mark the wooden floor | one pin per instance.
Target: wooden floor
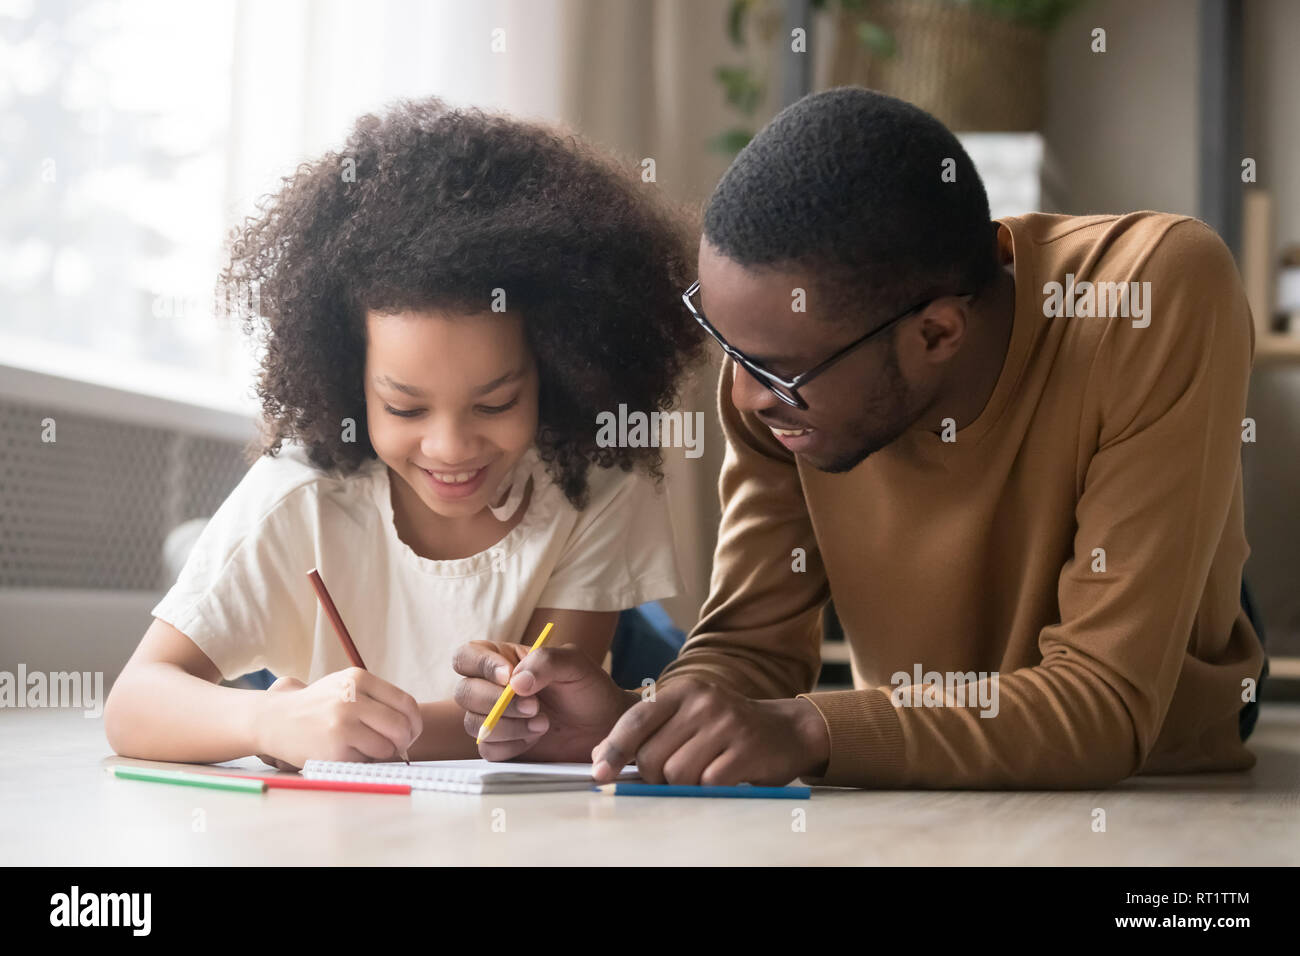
(58, 806)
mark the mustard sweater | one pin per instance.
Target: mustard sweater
(1075, 551)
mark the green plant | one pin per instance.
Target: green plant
(745, 86)
(1043, 15)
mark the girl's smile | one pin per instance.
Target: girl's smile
(457, 484)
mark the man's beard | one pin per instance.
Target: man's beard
(889, 407)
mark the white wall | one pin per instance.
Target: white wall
(1122, 124)
(1272, 116)
(1122, 127)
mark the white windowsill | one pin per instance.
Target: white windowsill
(46, 374)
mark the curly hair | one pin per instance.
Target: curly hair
(429, 207)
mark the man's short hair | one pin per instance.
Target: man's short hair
(850, 185)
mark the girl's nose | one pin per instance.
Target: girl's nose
(448, 443)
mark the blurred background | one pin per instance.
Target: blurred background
(135, 133)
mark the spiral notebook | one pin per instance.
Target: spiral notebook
(463, 776)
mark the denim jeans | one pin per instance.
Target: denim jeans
(1250, 713)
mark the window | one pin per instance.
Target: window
(135, 133)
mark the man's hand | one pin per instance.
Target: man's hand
(564, 702)
(696, 733)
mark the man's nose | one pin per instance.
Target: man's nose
(748, 394)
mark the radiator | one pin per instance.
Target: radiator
(84, 518)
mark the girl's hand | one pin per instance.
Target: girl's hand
(348, 715)
(281, 683)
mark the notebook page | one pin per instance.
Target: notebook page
(470, 772)
(481, 767)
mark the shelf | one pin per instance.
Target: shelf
(835, 652)
(1276, 347)
(1285, 667)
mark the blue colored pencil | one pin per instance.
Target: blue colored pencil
(673, 790)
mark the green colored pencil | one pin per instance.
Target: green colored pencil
(188, 779)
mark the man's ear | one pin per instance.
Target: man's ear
(942, 329)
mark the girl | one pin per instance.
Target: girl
(446, 305)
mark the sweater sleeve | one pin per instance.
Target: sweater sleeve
(1155, 497)
(759, 631)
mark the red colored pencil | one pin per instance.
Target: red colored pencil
(301, 783)
(327, 602)
(332, 612)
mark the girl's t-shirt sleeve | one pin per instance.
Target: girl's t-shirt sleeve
(242, 596)
(620, 552)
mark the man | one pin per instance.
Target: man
(1010, 451)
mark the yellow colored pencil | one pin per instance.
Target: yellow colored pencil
(508, 694)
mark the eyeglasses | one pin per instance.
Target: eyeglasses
(787, 389)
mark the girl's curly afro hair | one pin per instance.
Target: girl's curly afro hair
(428, 207)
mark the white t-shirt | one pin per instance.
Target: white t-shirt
(244, 597)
